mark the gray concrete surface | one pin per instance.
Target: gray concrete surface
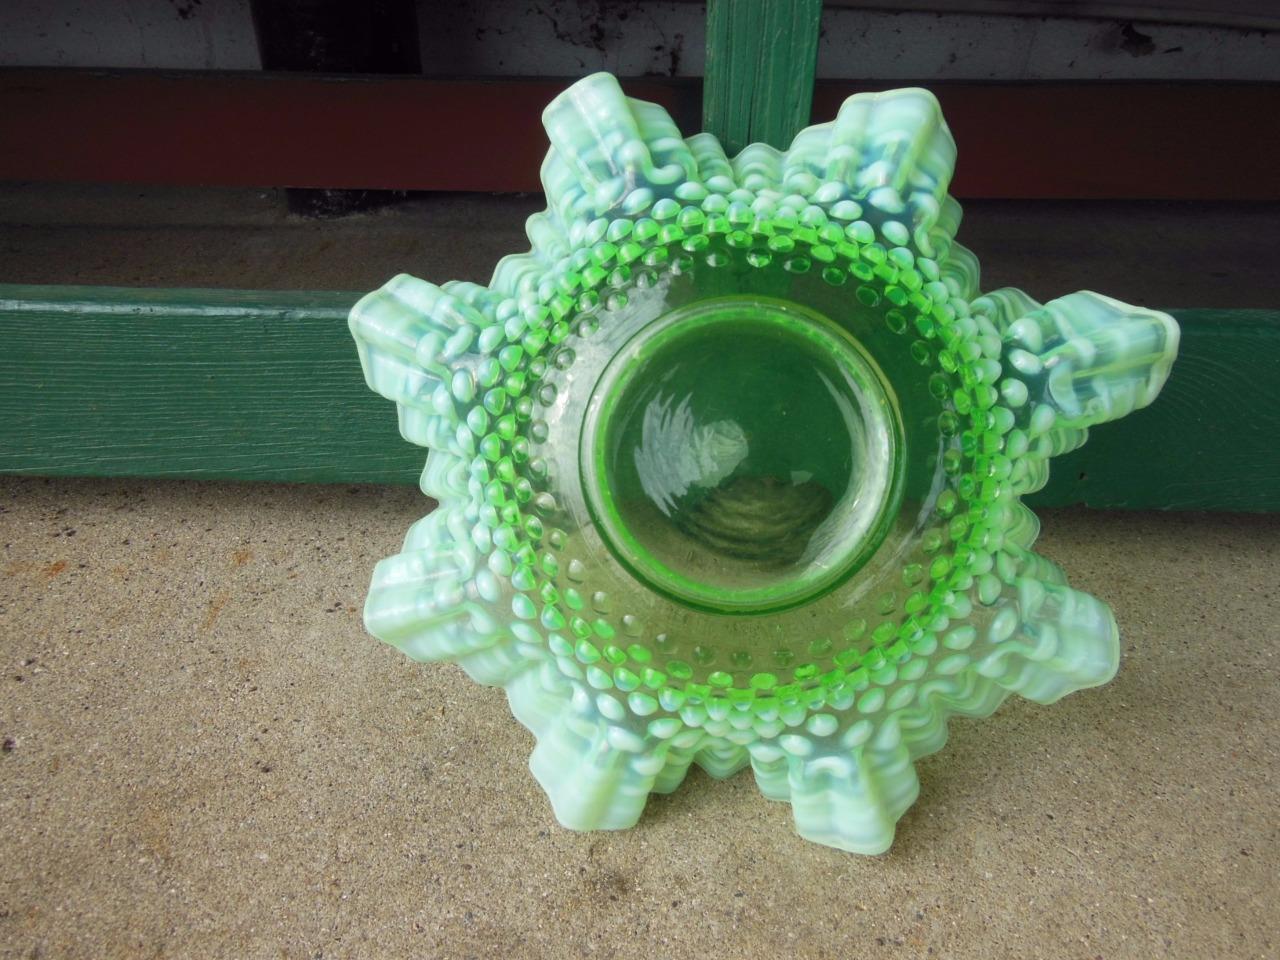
(203, 755)
(1162, 254)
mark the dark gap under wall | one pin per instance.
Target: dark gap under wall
(333, 36)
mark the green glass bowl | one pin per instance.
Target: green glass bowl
(729, 464)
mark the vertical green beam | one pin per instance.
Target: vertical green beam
(761, 59)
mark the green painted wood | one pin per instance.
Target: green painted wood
(250, 385)
(1211, 441)
(761, 62)
(254, 385)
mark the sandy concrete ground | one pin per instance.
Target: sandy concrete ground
(205, 756)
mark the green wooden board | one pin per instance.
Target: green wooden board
(251, 385)
(1211, 440)
(254, 385)
(761, 60)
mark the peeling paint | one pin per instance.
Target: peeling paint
(560, 38)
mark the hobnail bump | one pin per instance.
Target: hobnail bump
(729, 464)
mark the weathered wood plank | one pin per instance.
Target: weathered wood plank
(291, 130)
(253, 385)
(249, 385)
(761, 62)
(1211, 441)
(1241, 14)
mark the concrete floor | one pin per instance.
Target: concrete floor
(204, 755)
(1161, 254)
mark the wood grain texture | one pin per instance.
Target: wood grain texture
(761, 62)
(254, 385)
(248, 385)
(1211, 441)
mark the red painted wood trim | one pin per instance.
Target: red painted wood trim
(1100, 140)
(282, 129)
(1044, 140)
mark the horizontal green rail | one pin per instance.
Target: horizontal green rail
(263, 385)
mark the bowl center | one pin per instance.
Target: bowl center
(739, 455)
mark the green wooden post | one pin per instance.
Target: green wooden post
(761, 62)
